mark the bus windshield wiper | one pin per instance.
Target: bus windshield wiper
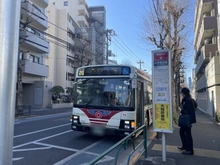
(89, 102)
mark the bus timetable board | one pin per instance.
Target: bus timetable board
(162, 99)
(104, 70)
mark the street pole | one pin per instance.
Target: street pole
(109, 33)
(140, 62)
(9, 38)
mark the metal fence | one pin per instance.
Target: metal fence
(124, 143)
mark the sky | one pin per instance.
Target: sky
(125, 18)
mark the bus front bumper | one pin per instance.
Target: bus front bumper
(101, 130)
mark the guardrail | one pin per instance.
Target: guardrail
(124, 142)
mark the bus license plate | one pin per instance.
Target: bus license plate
(98, 131)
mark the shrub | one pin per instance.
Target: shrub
(57, 90)
(217, 115)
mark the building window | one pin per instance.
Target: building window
(34, 59)
(65, 3)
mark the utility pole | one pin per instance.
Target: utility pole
(140, 63)
(109, 33)
(9, 39)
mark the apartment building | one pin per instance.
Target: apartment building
(97, 21)
(74, 42)
(206, 58)
(34, 50)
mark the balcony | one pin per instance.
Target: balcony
(83, 10)
(34, 15)
(82, 1)
(33, 42)
(42, 3)
(209, 24)
(201, 83)
(202, 6)
(30, 67)
(206, 52)
(82, 21)
(69, 69)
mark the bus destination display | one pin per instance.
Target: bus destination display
(104, 70)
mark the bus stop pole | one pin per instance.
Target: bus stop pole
(9, 38)
(163, 147)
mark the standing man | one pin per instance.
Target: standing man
(185, 132)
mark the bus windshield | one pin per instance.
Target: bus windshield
(104, 92)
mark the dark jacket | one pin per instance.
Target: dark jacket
(188, 108)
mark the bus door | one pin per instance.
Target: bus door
(140, 104)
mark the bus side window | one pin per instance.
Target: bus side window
(128, 99)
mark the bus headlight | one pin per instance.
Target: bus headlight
(75, 119)
(129, 124)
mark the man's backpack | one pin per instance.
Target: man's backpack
(195, 104)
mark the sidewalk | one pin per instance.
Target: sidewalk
(206, 139)
(43, 112)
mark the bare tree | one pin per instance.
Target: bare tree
(24, 22)
(165, 27)
(82, 50)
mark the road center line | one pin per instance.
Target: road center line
(41, 130)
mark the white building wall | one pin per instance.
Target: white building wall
(58, 50)
(213, 83)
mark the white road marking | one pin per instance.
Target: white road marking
(15, 159)
(45, 138)
(83, 151)
(31, 149)
(54, 146)
(42, 130)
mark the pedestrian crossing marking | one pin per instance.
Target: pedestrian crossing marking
(197, 151)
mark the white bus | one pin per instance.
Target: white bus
(111, 99)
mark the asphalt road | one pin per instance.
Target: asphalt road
(48, 140)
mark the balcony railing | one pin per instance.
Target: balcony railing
(35, 68)
(41, 3)
(83, 10)
(206, 52)
(208, 24)
(33, 42)
(69, 69)
(201, 83)
(34, 15)
(201, 5)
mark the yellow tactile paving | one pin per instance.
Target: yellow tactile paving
(197, 151)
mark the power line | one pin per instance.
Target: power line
(127, 47)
